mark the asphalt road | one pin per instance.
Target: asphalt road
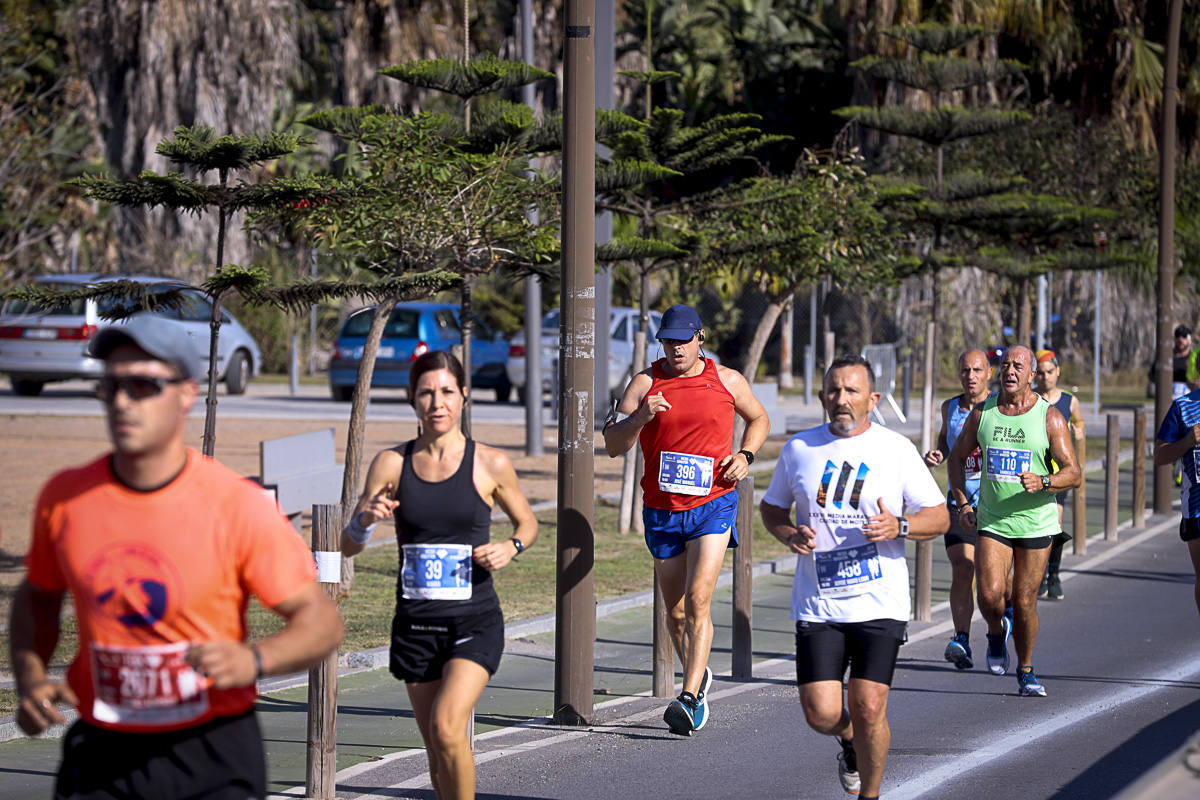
(1120, 658)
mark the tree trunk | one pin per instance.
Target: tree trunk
(630, 472)
(358, 422)
(762, 332)
(785, 378)
(209, 444)
(464, 324)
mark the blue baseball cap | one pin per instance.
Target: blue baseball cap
(679, 322)
(161, 338)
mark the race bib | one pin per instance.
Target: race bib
(1005, 465)
(973, 466)
(683, 473)
(436, 572)
(147, 685)
(848, 571)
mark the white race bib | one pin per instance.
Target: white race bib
(436, 572)
(848, 571)
(147, 685)
(683, 473)
(1005, 464)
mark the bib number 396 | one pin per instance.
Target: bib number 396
(684, 473)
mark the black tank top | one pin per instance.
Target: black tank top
(452, 512)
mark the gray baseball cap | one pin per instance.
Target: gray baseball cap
(159, 337)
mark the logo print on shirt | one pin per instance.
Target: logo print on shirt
(843, 479)
(130, 586)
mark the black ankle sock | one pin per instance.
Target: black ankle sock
(965, 634)
(691, 698)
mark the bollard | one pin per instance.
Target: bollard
(1079, 502)
(1112, 466)
(1139, 468)
(664, 652)
(321, 760)
(924, 581)
(743, 583)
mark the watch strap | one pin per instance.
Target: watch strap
(749, 456)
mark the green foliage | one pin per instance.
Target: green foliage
(199, 147)
(627, 248)
(481, 75)
(650, 77)
(935, 126)
(938, 74)
(548, 135)
(150, 189)
(937, 37)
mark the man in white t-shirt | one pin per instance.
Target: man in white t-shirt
(859, 490)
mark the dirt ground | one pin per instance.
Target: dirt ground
(34, 448)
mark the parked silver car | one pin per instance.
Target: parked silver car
(40, 345)
(621, 328)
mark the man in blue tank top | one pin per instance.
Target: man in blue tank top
(1178, 439)
(973, 374)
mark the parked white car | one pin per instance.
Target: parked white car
(622, 325)
(39, 345)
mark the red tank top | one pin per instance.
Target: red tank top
(698, 424)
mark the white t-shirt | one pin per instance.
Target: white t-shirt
(836, 483)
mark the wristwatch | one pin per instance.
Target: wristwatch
(903, 534)
(517, 543)
(1046, 483)
(749, 456)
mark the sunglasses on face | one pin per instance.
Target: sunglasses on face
(677, 342)
(136, 387)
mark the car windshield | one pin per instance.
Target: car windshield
(75, 308)
(401, 324)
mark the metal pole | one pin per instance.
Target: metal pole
(321, 753)
(1042, 316)
(785, 344)
(575, 612)
(907, 380)
(743, 582)
(810, 355)
(312, 320)
(1079, 507)
(1166, 246)
(1139, 468)
(927, 398)
(605, 70)
(1096, 354)
(294, 363)
(1112, 467)
(534, 424)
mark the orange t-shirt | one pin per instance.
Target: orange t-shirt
(152, 572)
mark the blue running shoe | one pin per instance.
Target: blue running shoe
(701, 718)
(680, 715)
(1029, 685)
(997, 649)
(958, 652)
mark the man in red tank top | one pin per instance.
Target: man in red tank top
(681, 410)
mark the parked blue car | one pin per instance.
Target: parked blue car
(412, 330)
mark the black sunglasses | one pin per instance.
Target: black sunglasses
(678, 342)
(136, 387)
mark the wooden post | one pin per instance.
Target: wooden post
(1079, 508)
(664, 651)
(321, 761)
(1139, 468)
(924, 581)
(743, 582)
(1112, 466)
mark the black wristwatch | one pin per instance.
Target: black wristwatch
(1046, 483)
(903, 534)
(517, 543)
(749, 456)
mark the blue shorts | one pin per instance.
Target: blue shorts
(667, 532)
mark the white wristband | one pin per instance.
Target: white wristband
(357, 533)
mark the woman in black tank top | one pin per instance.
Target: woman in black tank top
(448, 631)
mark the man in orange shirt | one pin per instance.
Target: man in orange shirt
(160, 549)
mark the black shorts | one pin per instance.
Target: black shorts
(1033, 543)
(957, 534)
(825, 649)
(421, 648)
(222, 758)
(1189, 529)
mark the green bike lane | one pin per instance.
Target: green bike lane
(375, 718)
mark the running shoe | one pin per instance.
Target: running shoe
(1043, 588)
(848, 768)
(681, 714)
(958, 652)
(1054, 587)
(1029, 685)
(701, 718)
(997, 650)
(1008, 615)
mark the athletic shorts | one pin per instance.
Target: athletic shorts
(667, 532)
(1061, 497)
(957, 534)
(825, 649)
(421, 648)
(1189, 529)
(1030, 543)
(221, 759)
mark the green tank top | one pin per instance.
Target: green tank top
(1010, 446)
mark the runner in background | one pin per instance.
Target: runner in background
(1046, 384)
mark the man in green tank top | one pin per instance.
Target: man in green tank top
(1018, 434)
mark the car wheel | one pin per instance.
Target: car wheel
(503, 390)
(27, 388)
(342, 394)
(237, 375)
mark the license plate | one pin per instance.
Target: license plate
(41, 333)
